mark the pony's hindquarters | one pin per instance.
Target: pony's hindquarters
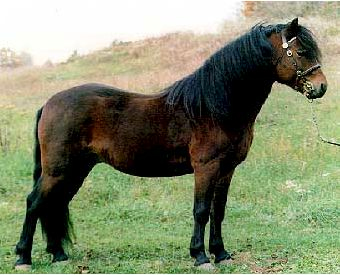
(66, 161)
(61, 164)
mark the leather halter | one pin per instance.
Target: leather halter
(300, 74)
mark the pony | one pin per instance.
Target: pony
(201, 124)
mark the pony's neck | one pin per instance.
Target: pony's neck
(247, 100)
(232, 84)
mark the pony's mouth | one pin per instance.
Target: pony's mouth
(307, 89)
(312, 92)
(309, 94)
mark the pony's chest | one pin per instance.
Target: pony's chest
(225, 146)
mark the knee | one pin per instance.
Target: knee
(217, 216)
(217, 213)
(201, 214)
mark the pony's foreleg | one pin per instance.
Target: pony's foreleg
(24, 247)
(218, 205)
(205, 179)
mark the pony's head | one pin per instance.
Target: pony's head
(297, 60)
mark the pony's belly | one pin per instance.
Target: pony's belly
(155, 163)
(169, 170)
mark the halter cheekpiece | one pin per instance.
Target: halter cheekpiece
(299, 73)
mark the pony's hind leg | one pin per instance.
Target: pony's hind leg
(24, 247)
(54, 217)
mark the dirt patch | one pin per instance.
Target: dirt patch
(273, 264)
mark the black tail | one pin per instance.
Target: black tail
(55, 222)
(37, 153)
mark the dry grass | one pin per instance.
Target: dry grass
(145, 66)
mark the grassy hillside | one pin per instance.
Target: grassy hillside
(283, 210)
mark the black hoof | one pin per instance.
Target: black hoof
(59, 257)
(23, 261)
(223, 255)
(201, 258)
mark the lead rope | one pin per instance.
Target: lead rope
(317, 126)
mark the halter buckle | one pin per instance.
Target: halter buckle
(285, 45)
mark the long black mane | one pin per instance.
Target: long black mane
(235, 68)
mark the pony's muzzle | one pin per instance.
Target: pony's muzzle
(317, 91)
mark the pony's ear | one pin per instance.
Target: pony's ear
(292, 28)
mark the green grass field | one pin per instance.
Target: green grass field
(283, 212)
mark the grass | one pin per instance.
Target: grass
(283, 208)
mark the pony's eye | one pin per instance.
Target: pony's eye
(301, 53)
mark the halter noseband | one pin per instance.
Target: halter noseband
(300, 74)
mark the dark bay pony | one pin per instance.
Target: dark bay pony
(202, 124)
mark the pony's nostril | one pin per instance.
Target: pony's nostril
(323, 87)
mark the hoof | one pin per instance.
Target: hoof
(23, 267)
(226, 262)
(59, 257)
(207, 267)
